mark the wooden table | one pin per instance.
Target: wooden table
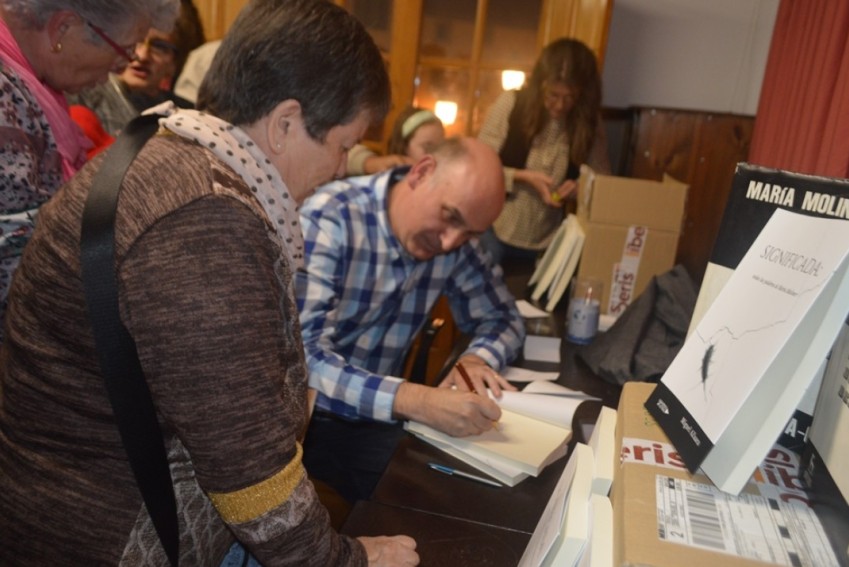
(459, 522)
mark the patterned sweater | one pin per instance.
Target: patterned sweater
(214, 318)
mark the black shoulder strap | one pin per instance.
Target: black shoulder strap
(122, 374)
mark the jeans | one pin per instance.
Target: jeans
(238, 556)
(350, 456)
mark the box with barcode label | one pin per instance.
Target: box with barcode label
(632, 228)
(666, 517)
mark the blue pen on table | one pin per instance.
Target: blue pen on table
(455, 472)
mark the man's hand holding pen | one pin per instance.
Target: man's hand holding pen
(466, 410)
(481, 375)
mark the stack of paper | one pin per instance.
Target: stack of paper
(564, 527)
(604, 446)
(558, 263)
(533, 432)
(599, 549)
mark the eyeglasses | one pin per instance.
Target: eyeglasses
(157, 46)
(128, 53)
(565, 96)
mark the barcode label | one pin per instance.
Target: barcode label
(748, 525)
(704, 517)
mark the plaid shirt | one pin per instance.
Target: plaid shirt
(363, 298)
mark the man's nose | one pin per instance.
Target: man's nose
(452, 238)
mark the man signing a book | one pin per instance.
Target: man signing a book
(380, 250)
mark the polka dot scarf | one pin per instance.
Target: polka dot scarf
(234, 147)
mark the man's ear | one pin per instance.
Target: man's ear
(282, 121)
(421, 170)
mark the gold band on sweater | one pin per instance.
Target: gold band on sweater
(252, 502)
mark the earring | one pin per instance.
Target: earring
(56, 48)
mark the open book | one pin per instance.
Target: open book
(743, 370)
(533, 432)
(558, 263)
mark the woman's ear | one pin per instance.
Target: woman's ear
(282, 122)
(58, 25)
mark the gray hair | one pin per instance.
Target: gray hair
(311, 51)
(111, 15)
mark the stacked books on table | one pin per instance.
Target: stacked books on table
(534, 431)
(576, 527)
(558, 263)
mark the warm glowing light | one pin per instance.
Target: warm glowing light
(446, 111)
(511, 80)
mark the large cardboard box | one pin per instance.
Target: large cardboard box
(632, 228)
(666, 517)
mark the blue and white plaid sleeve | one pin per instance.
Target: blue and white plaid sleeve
(343, 389)
(485, 309)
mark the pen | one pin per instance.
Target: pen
(466, 378)
(471, 386)
(455, 472)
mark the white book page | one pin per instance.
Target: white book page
(515, 374)
(558, 410)
(543, 349)
(530, 311)
(552, 389)
(523, 442)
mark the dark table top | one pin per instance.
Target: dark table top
(441, 540)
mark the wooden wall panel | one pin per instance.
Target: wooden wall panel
(701, 149)
(586, 20)
(217, 15)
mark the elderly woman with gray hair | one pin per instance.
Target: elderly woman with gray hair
(48, 47)
(207, 240)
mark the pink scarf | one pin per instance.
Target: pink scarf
(71, 141)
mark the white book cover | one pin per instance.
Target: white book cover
(599, 551)
(755, 193)
(741, 373)
(562, 531)
(575, 241)
(603, 443)
(542, 349)
(558, 262)
(830, 428)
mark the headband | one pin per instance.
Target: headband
(412, 123)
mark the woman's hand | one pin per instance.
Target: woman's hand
(390, 551)
(566, 190)
(541, 183)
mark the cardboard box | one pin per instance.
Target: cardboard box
(649, 528)
(632, 228)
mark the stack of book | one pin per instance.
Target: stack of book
(534, 431)
(576, 527)
(558, 263)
